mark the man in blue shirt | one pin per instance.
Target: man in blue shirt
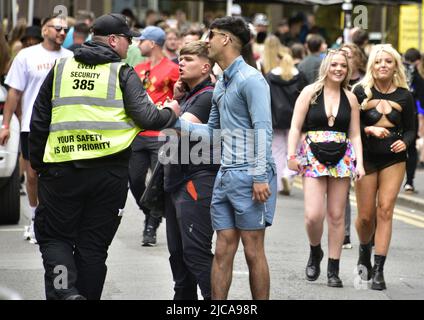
(244, 195)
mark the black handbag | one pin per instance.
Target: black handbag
(153, 197)
(381, 146)
(327, 153)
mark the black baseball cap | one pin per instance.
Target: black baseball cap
(113, 23)
(32, 32)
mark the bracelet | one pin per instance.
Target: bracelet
(292, 157)
(5, 126)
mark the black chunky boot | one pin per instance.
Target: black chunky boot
(364, 261)
(312, 268)
(378, 282)
(333, 274)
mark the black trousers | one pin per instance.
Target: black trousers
(189, 234)
(75, 222)
(412, 157)
(411, 163)
(144, 156)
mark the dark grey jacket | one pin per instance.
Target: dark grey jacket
(310, 67)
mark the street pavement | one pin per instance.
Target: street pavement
(140, 273)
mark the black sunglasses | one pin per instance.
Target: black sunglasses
(213, 33)
(146, 80)
(60, 28)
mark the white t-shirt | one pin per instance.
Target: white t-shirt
(27, 73)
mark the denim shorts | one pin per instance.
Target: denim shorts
(232, 205)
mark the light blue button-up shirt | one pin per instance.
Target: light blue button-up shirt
(241, 110)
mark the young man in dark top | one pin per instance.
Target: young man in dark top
(415, 81)
(189, 186)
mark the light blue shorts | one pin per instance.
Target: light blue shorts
(232, 205)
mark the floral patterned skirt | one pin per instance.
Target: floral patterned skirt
(312, 168)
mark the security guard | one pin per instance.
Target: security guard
(88, 111)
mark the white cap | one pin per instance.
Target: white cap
(260, 20)
(235, 10)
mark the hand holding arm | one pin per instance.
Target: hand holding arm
(174, 105)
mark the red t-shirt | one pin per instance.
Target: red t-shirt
(160, 82)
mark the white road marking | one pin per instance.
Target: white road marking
(12, 230)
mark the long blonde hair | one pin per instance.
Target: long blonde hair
(318, 85)
(286, 64)
(272, 46)
(399, 77)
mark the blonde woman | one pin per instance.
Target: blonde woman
(387, 123)
(269, 59)
(285, 83)
(329, 114)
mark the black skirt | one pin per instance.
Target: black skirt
(374, 162)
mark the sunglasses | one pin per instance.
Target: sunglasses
(146, 80)
(59, 28)
(212, 33)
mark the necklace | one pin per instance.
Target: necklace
(384, 93)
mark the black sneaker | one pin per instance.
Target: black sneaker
(149, 237)
(22, 190)
(346, 243)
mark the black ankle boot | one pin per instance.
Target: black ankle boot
(312, 268)
(333, 274)
(364, 261)
(378, 282)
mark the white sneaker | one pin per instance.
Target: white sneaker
(408, 188)
(32, 234)
(347, 246)
(27, 235)
(346, 243)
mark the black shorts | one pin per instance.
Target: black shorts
(25, 145)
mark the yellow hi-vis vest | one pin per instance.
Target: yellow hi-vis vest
(88, 115)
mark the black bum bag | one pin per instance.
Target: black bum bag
(328, 153)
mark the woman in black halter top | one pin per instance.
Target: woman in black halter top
(329, 114)
(387, 123)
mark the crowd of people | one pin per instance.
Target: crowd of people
(97, 112)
